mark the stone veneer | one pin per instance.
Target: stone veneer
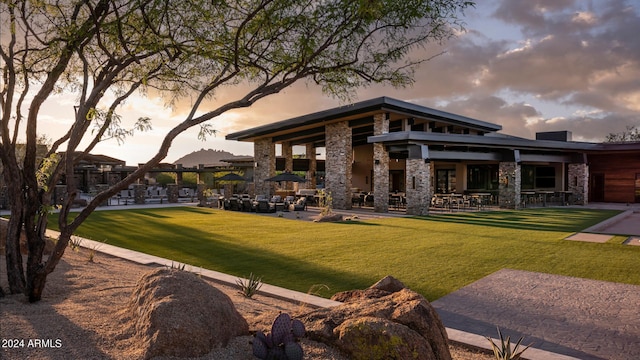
(579, 183)
(264, 153)
(418, 186)
(287, 153)
(510, 184)
(310, 152)
(139, 194)
(173, 193)
(338, 164)
(202, 199)
(380, 166)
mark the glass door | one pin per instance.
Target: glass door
(446, 181)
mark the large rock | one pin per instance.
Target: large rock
(380, 324)
(383, 287)
(175, 313)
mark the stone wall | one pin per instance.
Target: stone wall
(579, 183)
(510, 179)
(380, 166)
(338, 164)
(264, 153)
(418, 186)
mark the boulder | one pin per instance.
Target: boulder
(383, 287)
(376, 338)
(396, 325)
(329, 218)
(175, 313)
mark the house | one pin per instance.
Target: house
(386, 146)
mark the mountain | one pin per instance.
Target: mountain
(208, 157)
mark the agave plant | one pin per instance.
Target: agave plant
(504, 351)
(250, 286)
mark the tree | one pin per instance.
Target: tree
(106, 50)
(630, 134)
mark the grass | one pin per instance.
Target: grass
(433, 255)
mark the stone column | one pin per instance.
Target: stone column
(311, 174)
(380, 166)
(139, 194)
(579, 183)
(418, 186)
(338, 164)
(264, 153)
(287, 153)
(179, 175)
(202, 199)
(172, 193)
(509, 178)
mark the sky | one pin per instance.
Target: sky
(528, 65)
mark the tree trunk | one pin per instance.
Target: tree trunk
(37, 280)
(15, 273)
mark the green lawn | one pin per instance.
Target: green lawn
(433, 255)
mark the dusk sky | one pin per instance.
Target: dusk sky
(528, 65)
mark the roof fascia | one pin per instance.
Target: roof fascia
(475, 140)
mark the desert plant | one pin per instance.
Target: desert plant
(325, 202)
(249, 286)
(92, 251)
(75, 243)
(504, 351)
(282, 342)
(178, 266)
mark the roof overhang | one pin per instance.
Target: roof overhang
(311, 126)
(418, 137)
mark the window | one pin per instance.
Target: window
(446, 181)
(482, 177)
(538, 177)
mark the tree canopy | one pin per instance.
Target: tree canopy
(104, 51)
(630, 134)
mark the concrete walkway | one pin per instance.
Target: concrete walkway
(582, 318)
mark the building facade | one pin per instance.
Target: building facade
(384, 147)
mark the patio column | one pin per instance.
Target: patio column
(338, 163)
(264, 155)
(418, 186)
(310, 152)
(579, 183)
(172, 193)
(509, 178)
(380, 166)
(287, 154)
(139, 194)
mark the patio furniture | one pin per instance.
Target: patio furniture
(234, 204)
(299, 205)
(309, 194)
(261, 204)
(277, 203)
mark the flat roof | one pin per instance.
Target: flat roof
(367, 107)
